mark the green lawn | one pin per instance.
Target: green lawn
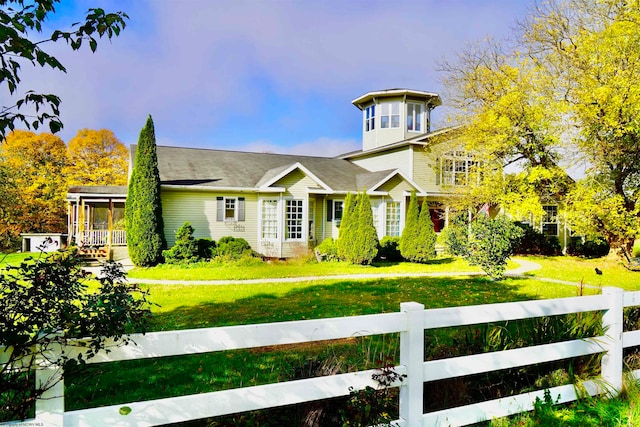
(576, 269)
(256, 269)
(16, 258)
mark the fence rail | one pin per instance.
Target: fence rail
(410, 322)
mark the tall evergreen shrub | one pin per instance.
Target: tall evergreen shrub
(410, 232)
(143, 210)
(365, 245)
(425, 249)
(348, 227)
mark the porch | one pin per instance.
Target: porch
(95, 216)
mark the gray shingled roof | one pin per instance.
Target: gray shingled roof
(236, 169)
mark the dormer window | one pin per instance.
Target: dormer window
(390, 115)
(414, 117)
(370, 118)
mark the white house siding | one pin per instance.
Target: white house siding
(395, 159)
(426, 169)
(199, 208)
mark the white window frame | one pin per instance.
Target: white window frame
(300, 220)
(234, 200)
(455, 167)
(415, 116)
(388, 118)
(370, 118)
(264, 220)
(388, 219)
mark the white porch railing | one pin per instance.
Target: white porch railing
(410, 322)
(101, 237)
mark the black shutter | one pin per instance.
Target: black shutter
(329, 210)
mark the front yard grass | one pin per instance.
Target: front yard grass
(575, 269)
(257, 269)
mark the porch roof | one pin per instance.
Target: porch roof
(96, 192)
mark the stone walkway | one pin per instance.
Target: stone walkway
(525, 267)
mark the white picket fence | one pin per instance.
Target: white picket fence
(410, 322)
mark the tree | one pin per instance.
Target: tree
(45, 304)
(410, 232)
(567, 90)
(143, 210)
(17, 22)
(365, 245)
(426, 246)
(348, 227)
(487, 242)
(96, 157)
(32, 166)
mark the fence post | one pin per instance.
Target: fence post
(50, 406)
(412, 357)
(612, 322)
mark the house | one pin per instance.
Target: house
(282, 204)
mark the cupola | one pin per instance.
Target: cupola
(393, 115)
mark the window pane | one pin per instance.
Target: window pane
(269, 219)
(337, 209)
(384, 122)
(293, 219)
(395, 108)
(230, 209)
(393, 219)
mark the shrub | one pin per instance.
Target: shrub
(45, 303)
(410, 232)
(365, 245)
(389, 249)
(533, 242)
(426, 245)
(491, 244)
(233, 247)
(206, 248)
(348, 227)
(455, 237)
(185, 249)
(328, 248)
(587, 248)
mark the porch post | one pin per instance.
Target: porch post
(109, 228)
(81, 213)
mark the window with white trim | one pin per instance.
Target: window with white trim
(414, 117)
(390, 115)
(293, 219)
(370, 118)
(230, 209)
(393, 219)
(457, 167)
(270, 219)
(549, 223)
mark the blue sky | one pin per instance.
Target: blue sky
(267, 76)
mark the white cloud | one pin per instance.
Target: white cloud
(322, 147)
